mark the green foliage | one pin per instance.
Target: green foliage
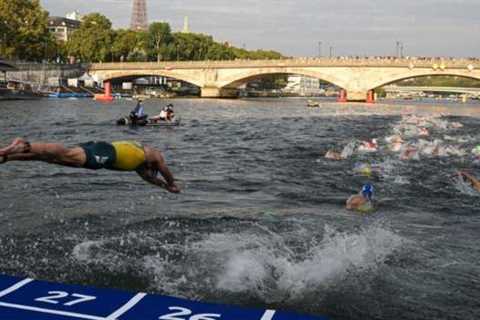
(192, 46)
(93, 41)
(381, 93)
(129, 45)
(195, 46)
(159, 40)
(24, 34)
(256, 55)
(441, 81)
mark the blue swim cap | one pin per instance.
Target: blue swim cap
(367, 191)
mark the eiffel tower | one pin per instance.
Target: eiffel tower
(139, 15)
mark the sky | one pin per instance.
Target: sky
(295, 27)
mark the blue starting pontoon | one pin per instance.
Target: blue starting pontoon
(28, 299)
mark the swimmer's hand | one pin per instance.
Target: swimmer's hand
(173, 188)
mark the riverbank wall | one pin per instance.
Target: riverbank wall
(40, 74)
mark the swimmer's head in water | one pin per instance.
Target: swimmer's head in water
(367, 191)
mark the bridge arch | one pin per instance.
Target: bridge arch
(109, 76)
(419, 74)
(237, 79)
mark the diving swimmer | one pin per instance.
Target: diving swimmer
(147, 162)
(362, 202)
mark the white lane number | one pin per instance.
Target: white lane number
(186, 314)
(56, 297)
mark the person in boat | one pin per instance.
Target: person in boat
(137, 116)
(146, 161)
(170, 112)
(362, 202)
(166, 114)
(470, 179)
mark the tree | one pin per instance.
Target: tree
(159, 39)
(93, 41)
(124, 44)
(140, 53)
(24, 30)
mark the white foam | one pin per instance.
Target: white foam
(348, 150)
(273, 271)
(84, 252)
(257, 261)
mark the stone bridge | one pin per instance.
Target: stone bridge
(358, 77)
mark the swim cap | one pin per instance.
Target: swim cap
(363, 168)
(367, 191)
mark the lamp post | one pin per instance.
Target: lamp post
(320, 49)
(331, 51)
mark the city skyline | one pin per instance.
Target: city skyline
(350, 27)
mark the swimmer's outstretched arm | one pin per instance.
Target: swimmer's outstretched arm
(156, 164)
(150, 175)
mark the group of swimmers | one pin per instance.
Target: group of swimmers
(409, 141)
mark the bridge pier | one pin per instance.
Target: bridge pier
(359, 96)
(371, 96)
(343, 96)
(214, 92)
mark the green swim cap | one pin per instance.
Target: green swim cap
(363, 169)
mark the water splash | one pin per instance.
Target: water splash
(262, 266)
(256, 262)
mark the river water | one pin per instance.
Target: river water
(261, 220)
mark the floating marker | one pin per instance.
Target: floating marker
(28, 299)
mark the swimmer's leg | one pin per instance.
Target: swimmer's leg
(46, 152)
(18, 145)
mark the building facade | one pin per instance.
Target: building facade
(303, 86)
(62, 28)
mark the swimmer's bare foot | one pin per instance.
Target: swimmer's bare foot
(18, 145)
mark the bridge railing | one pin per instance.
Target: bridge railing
(410, 62)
